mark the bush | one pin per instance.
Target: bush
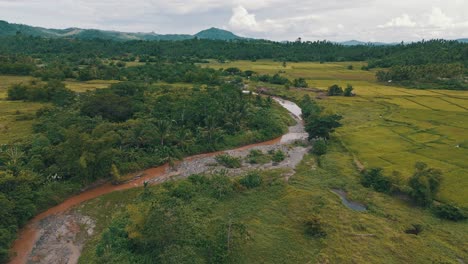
(220, 186)
(374, 178)
(278, 156)
(257, 157)
(415, 229)
(425, 184)
(335, 90)
(449, 212)
(228, 161)
(301, 83)
(313, 227)
(348, 91)
(251, 180)
(319, 147)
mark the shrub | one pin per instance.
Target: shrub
(278, 156)
(228, 161)
(425, 184)
(251, 180)
(334, 90)
(319, 147)
(449, 212)
(257, 157)
(301, 83)
(374, 178)
(220, 186)
(415, 229)
(313, 227)
(348, 91)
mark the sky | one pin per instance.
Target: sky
(335, 20)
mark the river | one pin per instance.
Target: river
(29, 234)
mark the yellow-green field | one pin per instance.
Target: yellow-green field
(388, 126)
(15, 116)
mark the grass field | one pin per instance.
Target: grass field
(16, 117)
(387, 126)
(274, 217)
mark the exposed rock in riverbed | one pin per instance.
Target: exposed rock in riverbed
(61, 238)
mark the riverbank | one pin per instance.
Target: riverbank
(33, 235)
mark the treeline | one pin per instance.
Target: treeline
(449, 76)
(422, 187)
(109, 132)
(425, 52)
(84, 70)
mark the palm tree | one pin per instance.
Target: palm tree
(163, 128)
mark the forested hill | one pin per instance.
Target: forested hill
(9, 29)
(434, 51)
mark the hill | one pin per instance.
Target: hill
(10, 29)
(216, 33)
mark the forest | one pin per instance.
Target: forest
(107, 133)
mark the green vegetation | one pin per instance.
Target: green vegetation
(296, 222)
(229, 161)
(258, 157)
(65, 130)
(106, 133)
(385, 126)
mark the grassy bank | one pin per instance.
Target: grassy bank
(384, 125)
(274, 216)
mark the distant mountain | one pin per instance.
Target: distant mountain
(357, 43)
(10, 29)
(216, 33)
(464, 40)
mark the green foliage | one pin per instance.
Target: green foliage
(53, 91)
(449, 212)
(415, 229)
(314, 227)
(319, 147)
(334, 90)
(251, 180)
(256, 156)
(300, 82)
(425, 183)
(278, 156)
(348, 91)
(449, 76)
(322, 126)
(374, 178)
(229, 161)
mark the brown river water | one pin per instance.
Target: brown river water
(29, 234)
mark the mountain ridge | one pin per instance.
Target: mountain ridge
(213, 33)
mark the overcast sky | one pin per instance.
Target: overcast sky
(337, 20)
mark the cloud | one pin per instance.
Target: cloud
(401, 21)
(247, 23)
(242, 20)
(437, 18)
(380, 20)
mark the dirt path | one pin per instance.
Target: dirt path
(58, 234)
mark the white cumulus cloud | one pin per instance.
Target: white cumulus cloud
(401, 21)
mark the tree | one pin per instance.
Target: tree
(334, 90)
(374, 178)
(300, 82)
(322, 126)
(349, 90)
(163, 129)
(425, 184)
